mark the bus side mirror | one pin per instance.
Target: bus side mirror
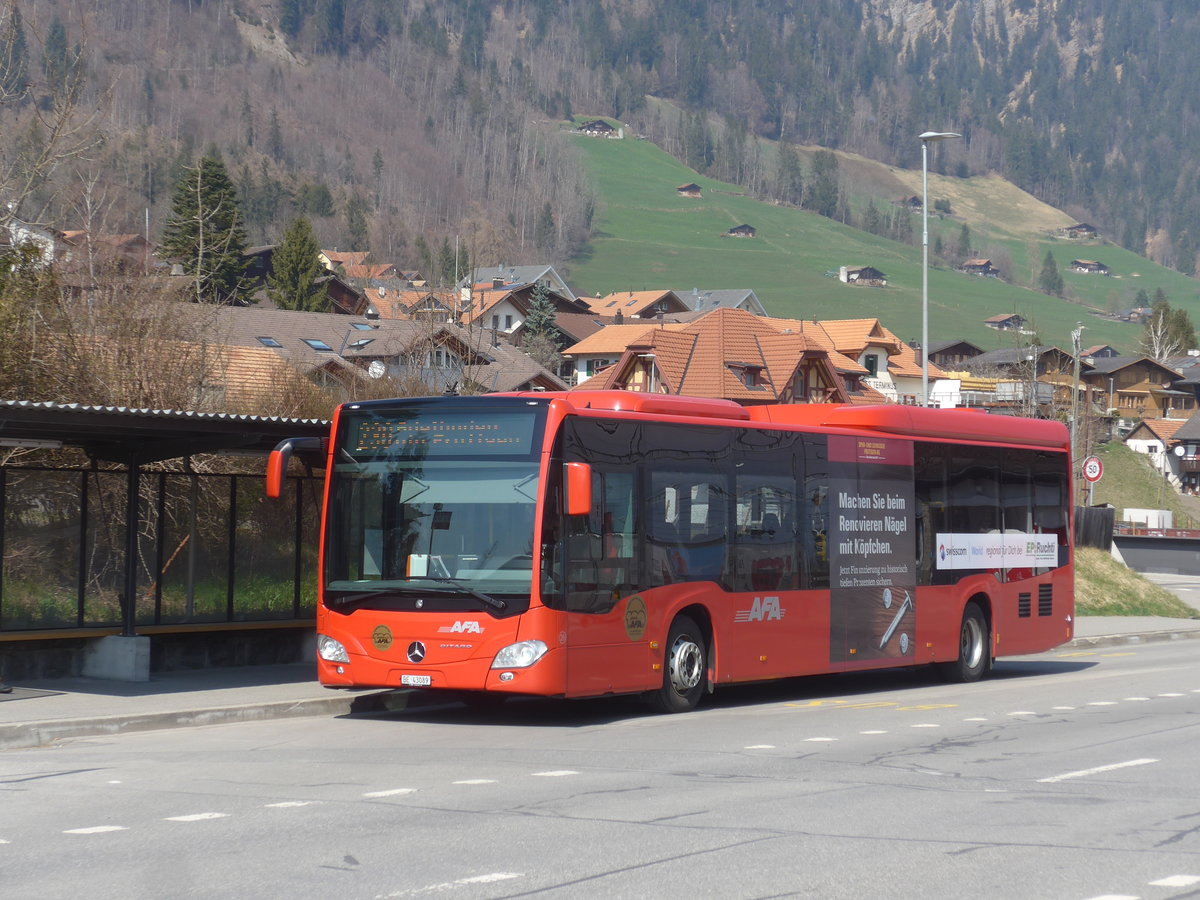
(579, 488)
(277, 462)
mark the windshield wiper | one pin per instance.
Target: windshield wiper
(493, 602)
(351, 598)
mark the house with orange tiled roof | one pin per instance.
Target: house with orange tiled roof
(503, 308)
(1157, 439)
(390, 302)
(728, 354)
(604, 347)
(637, 304)
(332, 259)
(367, 271)
(893, 368)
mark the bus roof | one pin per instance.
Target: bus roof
(895, 419)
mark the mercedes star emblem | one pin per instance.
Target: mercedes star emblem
(416, 651)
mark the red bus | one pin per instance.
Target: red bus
(592, 543)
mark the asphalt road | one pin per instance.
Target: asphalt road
(1068, 775)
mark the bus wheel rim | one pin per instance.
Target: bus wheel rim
(972, 642)
(686, 666)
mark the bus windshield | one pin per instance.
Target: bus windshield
(433, 500)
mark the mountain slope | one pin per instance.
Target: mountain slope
(649, 237)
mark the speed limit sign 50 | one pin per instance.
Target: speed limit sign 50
(1093, 468)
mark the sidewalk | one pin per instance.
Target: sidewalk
(38, 713)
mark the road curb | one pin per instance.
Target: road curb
(1146, 637)
(26, 735)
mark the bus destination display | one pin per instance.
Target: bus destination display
(462, 434)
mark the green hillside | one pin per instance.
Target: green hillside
(649, 237)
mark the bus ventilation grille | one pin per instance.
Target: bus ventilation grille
(1045, 599)
(1025, 605)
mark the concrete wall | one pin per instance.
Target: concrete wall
(68, 657)
(1170, 556)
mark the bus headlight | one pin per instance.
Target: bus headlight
(519, 656)
(330, 650)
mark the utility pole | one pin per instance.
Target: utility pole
(1076, 335)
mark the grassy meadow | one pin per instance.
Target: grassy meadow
(648, 237)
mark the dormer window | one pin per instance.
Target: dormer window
(749, 375)
(871, 362)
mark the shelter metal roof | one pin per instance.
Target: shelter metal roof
(135, 436)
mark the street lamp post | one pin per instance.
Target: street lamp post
(926, 138)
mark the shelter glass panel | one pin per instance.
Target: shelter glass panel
(104, 548)
(41, 549)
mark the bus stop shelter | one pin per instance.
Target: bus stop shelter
(117, 445)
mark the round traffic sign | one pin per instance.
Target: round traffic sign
(1093, 468)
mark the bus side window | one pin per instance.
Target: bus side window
(601, 545)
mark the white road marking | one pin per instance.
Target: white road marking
(760, 747)
(394, 792)
(556, 773)
(1096, 770)
(476, 781)
(114, 782)
(1136, 699)
(289, 804)
(1115, 897)
(491, 878)
(1170, 695)
(197, 817)
(926, 725)
(1103, 703)
(97, 829)
(1177, 881)
(873, 732)
(1063, 708)
(975, 719)
(1022, 712)
(819, 740)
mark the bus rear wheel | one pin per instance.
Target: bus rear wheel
(974, 650)
(685, 668)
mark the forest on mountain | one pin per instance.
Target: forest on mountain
(404, 126)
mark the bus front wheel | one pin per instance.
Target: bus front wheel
(685, 668)
(974, 651)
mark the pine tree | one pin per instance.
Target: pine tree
(291, 17)
(205, 234)
(295, 268)
(275, 138)
(963, 250)
(14, 66)
(543, 237)
(540, 318)
(1050, 280)
(357, 229)
(1167, 332)
(822, 190)
(55, 62)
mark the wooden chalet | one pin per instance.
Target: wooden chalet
(1089, 267)
(982, 267)
(862, 276)
(1005, 322)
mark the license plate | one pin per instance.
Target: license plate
(416, 680)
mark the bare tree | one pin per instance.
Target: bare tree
(50, 113)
